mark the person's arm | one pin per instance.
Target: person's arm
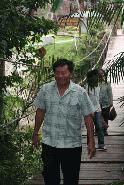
(90, 135)
(39, 117)
(39, 102)
(88, 113)
(110, 95)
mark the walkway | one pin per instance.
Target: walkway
(108, 166)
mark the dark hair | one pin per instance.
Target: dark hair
(92, 79)
(91, 74)
(62, 62)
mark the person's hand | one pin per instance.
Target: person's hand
(35, 140)
(91, 149)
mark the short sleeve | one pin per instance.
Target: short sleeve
(86, 104)
(39, 101)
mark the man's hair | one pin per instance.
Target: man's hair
(62, 62)
(92, 79)
(92, 73)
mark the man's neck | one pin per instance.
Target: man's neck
(65, 86)
(62, 88)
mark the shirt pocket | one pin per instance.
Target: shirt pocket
(74, 107)
(46, 130)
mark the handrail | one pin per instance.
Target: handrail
(103, 50)
(18, 119)
(94, 49)
(82, 81)
(31, 65)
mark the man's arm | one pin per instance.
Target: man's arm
(39, 117)
(90, 135)
(110, 95)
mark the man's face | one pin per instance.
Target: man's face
(101, 74)
(62, 75)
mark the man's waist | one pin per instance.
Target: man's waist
(69, 142)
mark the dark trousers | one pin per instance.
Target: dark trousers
(99, 128)
(105, 114)
(68, 158)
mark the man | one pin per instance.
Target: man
(106, 98)
(61, 105)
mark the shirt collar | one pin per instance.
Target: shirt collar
(70, 88)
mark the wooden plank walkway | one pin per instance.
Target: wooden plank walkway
(107, 166)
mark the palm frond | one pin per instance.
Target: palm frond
(115, 68)
(121, 100)
(103, 13)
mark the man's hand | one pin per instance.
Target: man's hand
(91, 149)
(35, 140)
(39, 117)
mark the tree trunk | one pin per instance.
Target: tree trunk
(2, 74)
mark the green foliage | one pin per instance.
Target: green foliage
(60, 50)
(18, 28)
(9, 80)
(10, 168)
(18, 159)
(12, 106)
(85, 44)
(15, 28)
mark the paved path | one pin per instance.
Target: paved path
(106, 166)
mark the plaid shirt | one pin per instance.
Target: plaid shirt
(94, 97)
(63, 119)
(106, 96)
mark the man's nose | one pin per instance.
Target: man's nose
(60, 75)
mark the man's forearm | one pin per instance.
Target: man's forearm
(90, 134)
(90, 129)
(39, 117)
